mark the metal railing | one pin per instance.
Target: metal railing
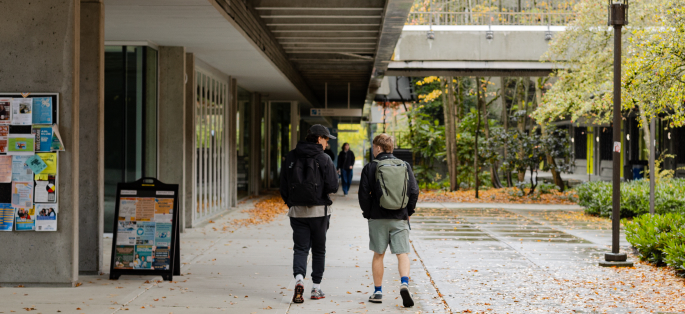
(489, 18)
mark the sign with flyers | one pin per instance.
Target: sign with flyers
(146, 232)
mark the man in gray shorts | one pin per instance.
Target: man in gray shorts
(395, 187)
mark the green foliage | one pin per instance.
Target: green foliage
(596, 197)
(427, 139)
(650, 235)
(674, 250)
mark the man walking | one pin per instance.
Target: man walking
(345, 167)
(387, 195)
(307, 177)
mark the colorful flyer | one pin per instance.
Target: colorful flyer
(126, 232)
(22, 195)
(5, 169)
(145, 209)
(45, 190)
(43, 137)
(124, 257)
(42, 110)
(25, 219)
(4, 132)
(21, 170)
(127, 208)
(163, 234)
(145, 234)
(22, 113)
(21, 144)
(6, 217)
(36, 164)
(164, 208)
(50, 160)
(46, 217)
(143, 258)
(161, 261)
(5, 111)
(57, 145)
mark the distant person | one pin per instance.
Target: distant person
(346, 166)
(387, 196)
(329, 152)
(307, 177)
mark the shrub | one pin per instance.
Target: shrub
(596, 197)
(652, 235)
(674, 251)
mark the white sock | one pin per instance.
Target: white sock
(316, 286)
(299, 277)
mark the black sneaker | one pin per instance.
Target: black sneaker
(299, 292)
(376, 297)
(407, 301)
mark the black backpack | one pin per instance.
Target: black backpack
(304, 177)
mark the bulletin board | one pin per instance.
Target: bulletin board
(29, 176)
(146, 230)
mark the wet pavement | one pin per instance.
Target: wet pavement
(521, 261)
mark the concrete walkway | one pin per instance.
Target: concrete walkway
(245, 271)
(467, 258)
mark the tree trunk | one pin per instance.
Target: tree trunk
(450, 136)
(475, 155)
(457, 119)
(647, 132)
(494, 177)
(505, 122)
(556, 175)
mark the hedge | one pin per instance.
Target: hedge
(596, 197)
(659, 239)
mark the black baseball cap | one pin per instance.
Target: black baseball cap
(320, 130)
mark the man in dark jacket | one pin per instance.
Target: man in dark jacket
(387, 227)
(307, 178)
(346, 167)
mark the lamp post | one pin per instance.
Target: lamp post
(618, 16)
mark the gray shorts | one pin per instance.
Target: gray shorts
(393, 232)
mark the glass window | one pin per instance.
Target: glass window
(279, 139)
(243, 124)
(131, 124)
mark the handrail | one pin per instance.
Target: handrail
(489, 18)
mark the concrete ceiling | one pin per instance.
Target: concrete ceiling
(331, 43)
(198, 26)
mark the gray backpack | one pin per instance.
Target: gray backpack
(393, 177)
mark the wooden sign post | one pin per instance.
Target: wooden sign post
(146, 231)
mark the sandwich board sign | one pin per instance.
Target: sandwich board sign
(146, 230)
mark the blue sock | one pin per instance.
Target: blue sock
(378, 289)
(405, 280)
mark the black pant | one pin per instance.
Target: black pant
(309, 233)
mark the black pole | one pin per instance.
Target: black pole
(616, 178)
(618, 16)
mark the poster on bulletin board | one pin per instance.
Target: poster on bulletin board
(146, 232)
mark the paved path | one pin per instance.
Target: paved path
(511, 259)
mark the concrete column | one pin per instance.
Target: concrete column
(190, 149)
(172, 119)
(40, 53)
(256, 144)
(294, 124)
(232, 147)
(91, 137)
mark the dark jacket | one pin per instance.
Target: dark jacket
(329, 153)
(345, 160)
(327, 170)
(369, 194)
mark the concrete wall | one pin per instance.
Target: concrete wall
(171, 115)
(91, 136)
(190, 150)
(39, 52)
(471, 45)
